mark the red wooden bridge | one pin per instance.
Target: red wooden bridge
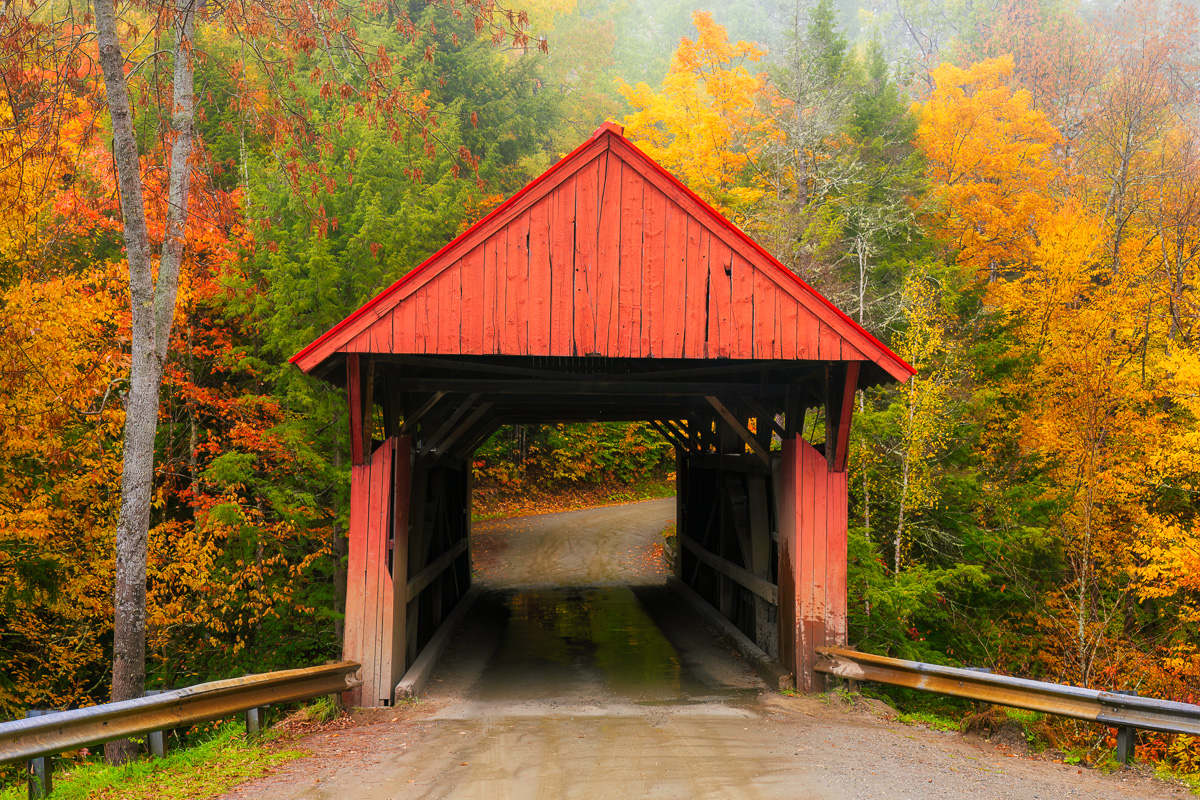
(604, 290)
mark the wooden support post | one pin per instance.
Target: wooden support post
(368, 411)
(811, 507)
(354, 400)
(417, 534)
(839, 409)
(681, 509)
(766, 629)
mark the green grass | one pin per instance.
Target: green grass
(203, 771)
(930, 719)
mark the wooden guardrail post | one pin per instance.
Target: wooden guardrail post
(41, 780)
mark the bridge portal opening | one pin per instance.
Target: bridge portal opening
(604, 290)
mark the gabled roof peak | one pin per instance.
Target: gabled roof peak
(606, 254)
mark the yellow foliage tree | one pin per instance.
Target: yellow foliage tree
(990, 161)
(704, 124)
(60, 420)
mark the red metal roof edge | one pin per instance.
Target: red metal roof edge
(607, 127)
(611, 129)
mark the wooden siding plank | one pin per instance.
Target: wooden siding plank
(608, 257)
(818, 534)
(675, 281)
(629, 311)
(403, 328)
(779, 325)
(830, 343)
(764, 316)
(836, 555)
(808, 335)
(694, 300)
(472, 301)
(448, 290)
(489, 288)
(371, 610)
(789, 324)
(381, 336)
(500, 278)
(562, 264)
(786, 496)
(711, 323)
(539, 278)
(356, 570)
(386, 584)
(587, 223)
(516, 306)
(722, 339)
(654, 238)
(743, 307)
(420, 328)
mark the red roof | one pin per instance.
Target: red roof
(604, 254)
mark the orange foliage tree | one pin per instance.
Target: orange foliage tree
(704, 124)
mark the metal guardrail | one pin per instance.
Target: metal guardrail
(56, 732)
(1107, 708)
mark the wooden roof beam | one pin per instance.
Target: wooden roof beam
(739, 429)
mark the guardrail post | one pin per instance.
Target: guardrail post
(256, 719)
(157, 740)
(41, 781)
(1126, 735)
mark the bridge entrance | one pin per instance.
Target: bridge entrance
(604, 290)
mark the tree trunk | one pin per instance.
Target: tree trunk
(153, 306)
(906, 464)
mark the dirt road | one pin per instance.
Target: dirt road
(581, 676)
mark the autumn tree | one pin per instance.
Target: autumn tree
(155, 226)
(990, 163)
(704, 123)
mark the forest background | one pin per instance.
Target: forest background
(1007, 193)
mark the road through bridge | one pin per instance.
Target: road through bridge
(581, 675)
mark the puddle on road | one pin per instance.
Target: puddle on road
(571, 641)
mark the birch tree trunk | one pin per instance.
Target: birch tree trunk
(152, 303)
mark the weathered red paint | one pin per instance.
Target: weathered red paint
(617, 224)
(375, 593)
(812, 560)
(370, 505)
(354, 384)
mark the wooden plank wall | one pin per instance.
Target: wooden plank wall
(374, 609)
(812, 560)
(609, 263)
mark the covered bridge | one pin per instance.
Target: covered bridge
(604, 290)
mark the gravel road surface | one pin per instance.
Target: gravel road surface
(580, 675)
